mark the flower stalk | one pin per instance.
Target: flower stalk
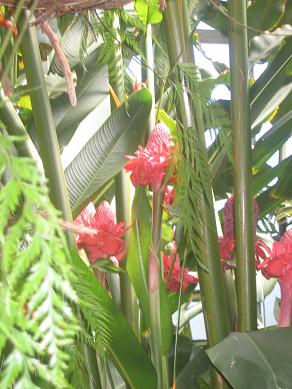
(154, 279)
(243, 201)
(189, 111)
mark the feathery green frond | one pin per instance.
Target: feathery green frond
(37, 323)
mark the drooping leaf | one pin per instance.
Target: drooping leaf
(260, 359)
(123, 347)
(103, 156)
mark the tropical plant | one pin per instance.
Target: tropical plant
(94, 300)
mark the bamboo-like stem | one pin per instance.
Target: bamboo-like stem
(211, 282)
(243, 201)
(49, 150)
(154, 277)
(150, 75)
(128, 299)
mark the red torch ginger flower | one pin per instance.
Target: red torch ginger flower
(174, 281)
(149, 165)
(107, 240)
(279, 265)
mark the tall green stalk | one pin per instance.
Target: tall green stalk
(154, 279)
(150, 75)
(189, 111)
(14, 126)
(49, 149)
(129, 303)
(243, 201)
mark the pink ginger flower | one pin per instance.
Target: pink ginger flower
(174, 281)
(279, 265)
(149, 165)
(107, 240)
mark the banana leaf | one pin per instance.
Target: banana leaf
(103, 156)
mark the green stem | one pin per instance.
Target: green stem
(128, 299)
(154, 279)
(243, 201)
(150, 75)
(189, 110)
(15, 127)
(49, 148)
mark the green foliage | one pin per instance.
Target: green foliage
(120, 343)
(138, 252)
(37, 322)
(259, 359)
(103, 156)
(148, 11)
(193, 168)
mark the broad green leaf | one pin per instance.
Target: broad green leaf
(261, 46)
(91, 91)
(259, 359)
(198, 364)
(270, 89)
(148, 11)
(123, 347)
(271, 141)
(264, 15)
(103, 156)
(71, 42)
(139, 246)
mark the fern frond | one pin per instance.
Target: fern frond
(37, 323)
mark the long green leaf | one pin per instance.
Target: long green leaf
(256, 359)
(138, 254)
(103, 156)
(268, 173)
(91, 91)
(123, 347)
(270, 142)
